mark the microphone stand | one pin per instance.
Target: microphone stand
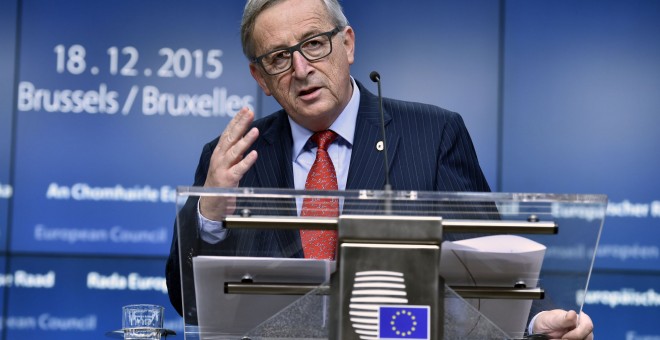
(375, 77)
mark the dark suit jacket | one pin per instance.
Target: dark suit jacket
(429, 149)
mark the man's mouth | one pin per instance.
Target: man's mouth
(308, 91)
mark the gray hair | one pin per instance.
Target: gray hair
(254, 7)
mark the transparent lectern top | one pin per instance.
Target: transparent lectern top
(566, 255)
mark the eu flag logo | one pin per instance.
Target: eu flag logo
(404, 322)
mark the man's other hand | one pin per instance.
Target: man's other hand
(561, 324)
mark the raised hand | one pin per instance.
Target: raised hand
(228, 165)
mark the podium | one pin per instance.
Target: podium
(409, 265)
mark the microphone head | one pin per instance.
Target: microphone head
(375, 77)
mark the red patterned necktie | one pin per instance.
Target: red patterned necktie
(321, 244)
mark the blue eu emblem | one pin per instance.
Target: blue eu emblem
(404, 322)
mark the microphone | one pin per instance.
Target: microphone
(375, 77)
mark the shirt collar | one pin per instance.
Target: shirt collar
(344, 125)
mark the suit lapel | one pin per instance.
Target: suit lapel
(366, 169)
(274, 166)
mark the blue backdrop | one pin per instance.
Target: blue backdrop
(105, 106)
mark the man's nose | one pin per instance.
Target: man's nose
(299, 63)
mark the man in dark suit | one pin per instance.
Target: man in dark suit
(300, 52)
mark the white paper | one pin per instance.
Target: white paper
(500, 261)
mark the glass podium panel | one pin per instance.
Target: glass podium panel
(501, 258)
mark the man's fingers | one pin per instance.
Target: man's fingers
(235, 153)
(228, 165)
(565, 320)
(585, 321)
(583, 331)
(555, 323)
(215, 208)
(244, 165)
(231, 157)
(235, 130)
(560, 324)
(579, 333)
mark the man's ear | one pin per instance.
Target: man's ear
(258, 76)
(349, 44)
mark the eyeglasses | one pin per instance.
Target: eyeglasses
(312, 48)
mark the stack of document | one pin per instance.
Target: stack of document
(496, 261)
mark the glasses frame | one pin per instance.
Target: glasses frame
(294, 48)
